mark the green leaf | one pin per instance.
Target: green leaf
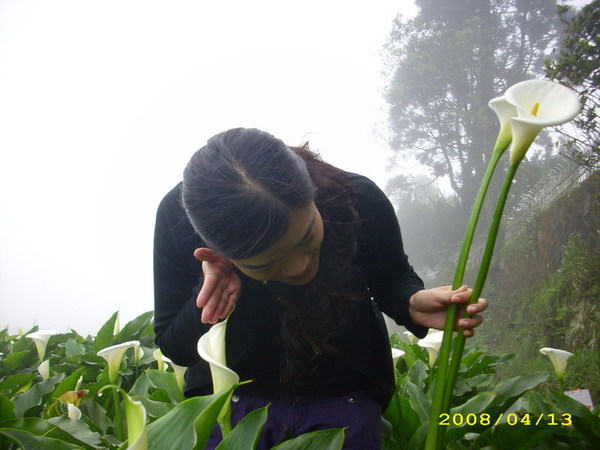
(154, 408)
(332, 439)
(475, 405)
(41, 427)
(189, 424)
(105, 337)
(518, 436)
(30, 441)
(247, 432)
(78, 429)
(7, 409)
(33, 397)
(134, 329)
(14, 360)
(167, 381)
(72, 348)
(13, 384)
(516, 386)
(417, 374)
(419, 402)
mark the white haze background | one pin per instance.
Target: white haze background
(102, 103)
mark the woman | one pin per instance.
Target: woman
(309, 255)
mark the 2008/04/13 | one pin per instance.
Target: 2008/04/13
(511, 419)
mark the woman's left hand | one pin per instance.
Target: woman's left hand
(428, 308)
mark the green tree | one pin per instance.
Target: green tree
(445, 64)
(577, 65)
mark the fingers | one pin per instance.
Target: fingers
(205, 254)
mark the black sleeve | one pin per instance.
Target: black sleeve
(390, 277)
(177, 281)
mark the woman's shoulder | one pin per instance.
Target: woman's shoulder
(369, 197)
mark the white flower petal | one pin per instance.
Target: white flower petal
(113, 356)
(558, 358)
(40, 339)
(73, 411)
(396, 355)
(539, 104)
(44, 369)
(211, 348)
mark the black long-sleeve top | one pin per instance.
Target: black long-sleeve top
(253, 346)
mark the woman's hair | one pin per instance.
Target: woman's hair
(239, 191)
(240, 188)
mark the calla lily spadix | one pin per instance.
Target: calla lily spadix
(539, 104)
(113, 356)
(559, 361)
(211, 348)
(40, 339)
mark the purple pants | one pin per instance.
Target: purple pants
(355, 410)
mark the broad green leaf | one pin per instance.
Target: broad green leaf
(419, 402)
(133, 330)
(7, 409)
(34, 396)
(30, 441)
(105, 337)
(247, 432)
(78, 429)
(167, 381)
(417, 441)
(332, 439)
(13, 361)
(515, 387)
(475, 405)
(142, 385)
(417, 374)
(154, 408)
(14, 383)
(42, 427)
(189, 424)
(583, 420)
(72, 348)
(518, 436)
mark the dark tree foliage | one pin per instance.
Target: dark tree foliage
(444, 66)
(577, 65)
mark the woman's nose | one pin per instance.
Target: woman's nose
(296, 266)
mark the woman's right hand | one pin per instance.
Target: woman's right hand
(222, 286)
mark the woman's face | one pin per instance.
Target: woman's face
(294, 259)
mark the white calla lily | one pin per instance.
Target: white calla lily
(40, 339)
(113, 356)
(211, 348)
(73, 411)
(411, 337)
(44, 369)
(539, 104)
(504, 110)
(396, 355)
(559, 361)
(432, 343)
(161, 360)
(137, 431)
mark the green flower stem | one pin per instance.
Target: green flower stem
(118, 419)
(434, 430)
(459, 343)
